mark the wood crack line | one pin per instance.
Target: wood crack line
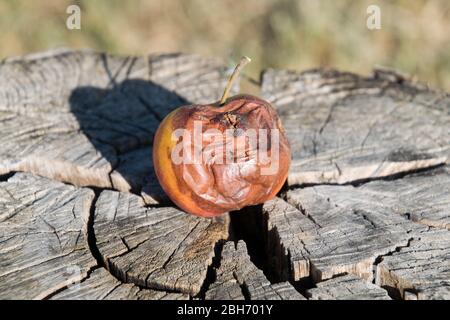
(68, 283)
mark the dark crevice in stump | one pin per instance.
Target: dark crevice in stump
(211, 273)
(248, 225)
(264, 247)
(90, 233)
(5, 177)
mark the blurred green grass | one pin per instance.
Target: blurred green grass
(302, 34)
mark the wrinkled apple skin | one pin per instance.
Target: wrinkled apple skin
(216, 186)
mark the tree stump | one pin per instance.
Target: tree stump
(365, 212)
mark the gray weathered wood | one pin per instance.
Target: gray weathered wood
(42, 236)
(337, 234)
(328, 230)
(421, 270)
(347, 287)
(161, 248)
(43, 248)
(88, 118)
(343, 127)
(52, 146)
(101, 285)
(423, 197)
(73, 115)
(45, 82)
(238, 278)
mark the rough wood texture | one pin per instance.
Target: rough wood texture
(421, 270)
(42, 236)
(101, 285)
(49, 81)
(328, 230)
(238, 278)
(337, 234)
(73, 116)
(422, 197)
(88, 118)
(347, 287)
(343, 127)
(162, 248)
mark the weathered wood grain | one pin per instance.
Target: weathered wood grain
(42, 236)
(88, 118)
(423, 197)
(155, 247)
(45, 82)
(343, 127)
(323, 231)
(51, 146)
(337, 234)
(73, 115)
(101, 285)
(347, 287)
(238, 278)
(421, 270)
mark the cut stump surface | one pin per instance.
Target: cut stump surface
(365, 213)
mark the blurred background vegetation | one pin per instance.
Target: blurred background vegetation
(297, 34)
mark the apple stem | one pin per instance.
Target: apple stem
(244, 61)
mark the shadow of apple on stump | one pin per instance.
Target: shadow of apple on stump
(120, 122)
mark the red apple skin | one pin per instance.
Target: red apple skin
(213, 188)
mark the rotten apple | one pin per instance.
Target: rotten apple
(210, 159)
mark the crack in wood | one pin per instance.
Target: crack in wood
(357, 183)
(315, 106)
(211, 274)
